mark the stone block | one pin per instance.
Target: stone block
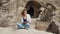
(41, 25)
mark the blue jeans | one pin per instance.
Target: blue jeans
(22, 25)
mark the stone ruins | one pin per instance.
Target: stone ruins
(47, 13)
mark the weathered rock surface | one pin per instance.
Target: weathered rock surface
(41, 25)
(10, 11)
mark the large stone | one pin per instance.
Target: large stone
(54, 27)
(42, 25)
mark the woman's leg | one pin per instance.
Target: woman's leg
(20, 26)
(27, 25)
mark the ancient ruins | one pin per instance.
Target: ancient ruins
(46, 13)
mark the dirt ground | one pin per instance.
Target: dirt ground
(9, 30)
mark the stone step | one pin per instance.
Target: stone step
(42, 25)
(33, 20)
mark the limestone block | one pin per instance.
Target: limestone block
(41, 25)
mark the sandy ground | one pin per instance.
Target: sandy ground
(22, 31)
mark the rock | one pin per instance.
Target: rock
(54, 27)
(8, 13)
(42, 25)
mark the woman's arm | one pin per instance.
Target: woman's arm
(21, 20)
(29, 18)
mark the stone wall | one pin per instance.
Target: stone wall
(42, 25)
(8, 12)
(54, 27)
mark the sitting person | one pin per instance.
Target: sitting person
(25, 20)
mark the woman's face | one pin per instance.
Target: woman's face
(25, 12)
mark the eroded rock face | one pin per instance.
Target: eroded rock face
(8, 12)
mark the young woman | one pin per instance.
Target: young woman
(25, 20)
